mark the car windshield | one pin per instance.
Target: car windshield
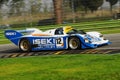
(74, 31)
(59, 31)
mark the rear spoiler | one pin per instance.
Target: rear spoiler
(14, 35)
(10, 34)
(25, 31)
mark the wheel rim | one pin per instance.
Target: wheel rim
(24, 45)
(73, 44)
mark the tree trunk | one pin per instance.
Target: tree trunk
(58, 11)
(111, 8)
(85, 9)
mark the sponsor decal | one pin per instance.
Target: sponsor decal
(49, 42)
(10, 33)
(59, 42)
(44, 43)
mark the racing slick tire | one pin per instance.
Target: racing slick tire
(25, 45)
(74, 43)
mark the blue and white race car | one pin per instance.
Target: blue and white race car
(33, 39)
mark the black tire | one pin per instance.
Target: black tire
(25, 45)
(74, 43)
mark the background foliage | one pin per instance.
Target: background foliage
(33, 11)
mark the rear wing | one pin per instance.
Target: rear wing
(14, 35)
(11, 34)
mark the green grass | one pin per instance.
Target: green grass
(105, 27)
(62, 67)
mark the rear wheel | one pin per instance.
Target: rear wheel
(74, 43)
(25, 45)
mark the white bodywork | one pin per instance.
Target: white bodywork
(98, 37)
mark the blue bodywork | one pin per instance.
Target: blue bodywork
(46, 42)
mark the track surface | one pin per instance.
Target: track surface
(10, 50)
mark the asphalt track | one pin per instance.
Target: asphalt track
(11, 51)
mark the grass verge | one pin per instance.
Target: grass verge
(62, 67)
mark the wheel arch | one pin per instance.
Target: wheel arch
(24, 38)
(75, 36)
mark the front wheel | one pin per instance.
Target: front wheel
(74, 43)
(25, 45)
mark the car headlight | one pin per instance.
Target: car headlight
(101, 35)
(86, 40)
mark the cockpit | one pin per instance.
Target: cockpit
(59, 31)
(68, 30)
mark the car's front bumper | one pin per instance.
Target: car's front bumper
(103, 42)
(96, 44)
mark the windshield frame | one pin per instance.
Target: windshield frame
(74, 31)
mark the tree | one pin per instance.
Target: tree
(94, 4)
(58, 10)
(2, 1)
(34, 5)
(17, 6)
(112, 2)
(75, 4)
(87, 4)
(13, 2)
(91, 4)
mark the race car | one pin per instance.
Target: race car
(33, 39)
